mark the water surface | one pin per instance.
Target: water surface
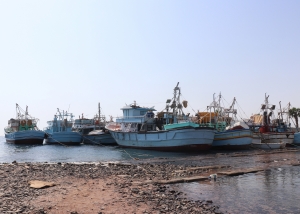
(272, 191)
(81, 153)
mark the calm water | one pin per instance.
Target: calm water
(82, 153)
(271, 191)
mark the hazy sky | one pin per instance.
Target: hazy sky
(74, 54)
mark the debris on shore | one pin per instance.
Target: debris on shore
(119, 187)
(93, 188)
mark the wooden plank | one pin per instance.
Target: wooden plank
(240, 171)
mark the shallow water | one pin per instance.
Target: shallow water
(271, 191)
(82, 153)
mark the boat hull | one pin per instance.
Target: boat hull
(191, 139)
(269, 145)
(273, 137)
(68, 138)
(297, 138)
(233, 139)
(101, 139)
(25, 137)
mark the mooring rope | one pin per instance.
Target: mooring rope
(55, 139)
(100, 144)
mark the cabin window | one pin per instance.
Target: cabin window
(142, 112)
(126, 113)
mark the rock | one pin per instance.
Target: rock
(135, 190)
(40, 184)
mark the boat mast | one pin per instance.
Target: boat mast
(280, 111)
(219, 107)
(176, 105)
(17, 114)
(266, 114)
(229, 111)
(26, 113)
(175, 100)
(288, 110)
(266, 110)
(99, 113)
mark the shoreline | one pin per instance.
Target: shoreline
(132, 186)
(92, 188)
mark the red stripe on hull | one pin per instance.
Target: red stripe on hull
(27, 141)
(187, 148)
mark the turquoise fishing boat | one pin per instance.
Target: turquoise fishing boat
(230, 134)
(59, 130)
(168, 131)
(23, 129)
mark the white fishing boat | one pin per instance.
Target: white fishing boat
(270, 132)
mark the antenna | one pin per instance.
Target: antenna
(99, 112)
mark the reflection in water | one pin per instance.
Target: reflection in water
(271, 191)
(78, 153)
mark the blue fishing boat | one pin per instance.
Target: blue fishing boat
(93, 131)
(297, 138)
(23, 129)
(168, 131)
(59, 130)
(230, 134)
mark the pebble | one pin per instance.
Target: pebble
(16, 194)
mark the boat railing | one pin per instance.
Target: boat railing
(130, 119)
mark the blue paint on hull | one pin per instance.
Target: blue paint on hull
(297, 138)
(233, 139)
(104, 139)
(25, 137)
(67, 137)
(170, 140)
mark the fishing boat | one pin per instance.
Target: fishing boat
(23, 129)
(297, 138)
(168, 131)
(59, 130)
(230, 134)
(270, 132)
(93, 131)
